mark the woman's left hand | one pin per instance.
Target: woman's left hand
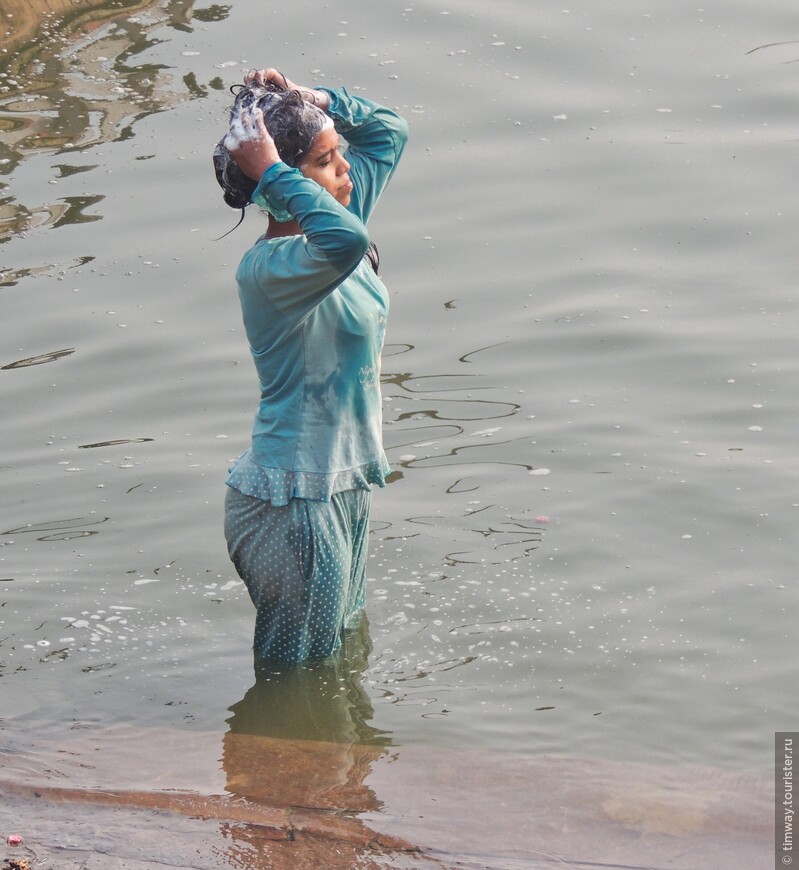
(261, 77)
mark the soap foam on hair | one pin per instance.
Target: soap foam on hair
(238, 133)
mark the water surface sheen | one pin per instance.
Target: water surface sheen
(589, 382)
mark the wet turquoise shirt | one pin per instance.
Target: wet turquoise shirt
(315, 316)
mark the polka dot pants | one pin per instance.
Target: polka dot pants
(304, 565)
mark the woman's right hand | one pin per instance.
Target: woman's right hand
(250, 144)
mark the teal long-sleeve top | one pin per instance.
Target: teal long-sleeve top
(315, 313)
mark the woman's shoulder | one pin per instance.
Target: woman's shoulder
(266, 251)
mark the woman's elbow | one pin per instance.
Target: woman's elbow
(359, 242)
(353, 244)
(401, 129)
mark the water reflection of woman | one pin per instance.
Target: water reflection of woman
(301, 736)
(314, 310)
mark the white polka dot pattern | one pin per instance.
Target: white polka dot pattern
(304, 565)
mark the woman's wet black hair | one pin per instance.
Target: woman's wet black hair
(292, 123)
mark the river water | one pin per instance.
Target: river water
(590, 378)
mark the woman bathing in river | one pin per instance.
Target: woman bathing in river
(314, 308)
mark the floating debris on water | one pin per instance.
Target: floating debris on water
(38, 360)
(114, 443)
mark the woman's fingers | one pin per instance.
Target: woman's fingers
(262, 77)
(254, 125)
(256, 77)
(257, 117)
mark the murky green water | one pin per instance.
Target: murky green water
(590, 383)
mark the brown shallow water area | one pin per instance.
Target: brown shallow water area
(302, 803)
(67, 81)
(23, 17)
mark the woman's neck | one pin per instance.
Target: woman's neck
(277, 228)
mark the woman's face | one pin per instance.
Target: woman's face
(326, 166)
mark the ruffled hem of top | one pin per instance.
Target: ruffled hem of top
(280, 485)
